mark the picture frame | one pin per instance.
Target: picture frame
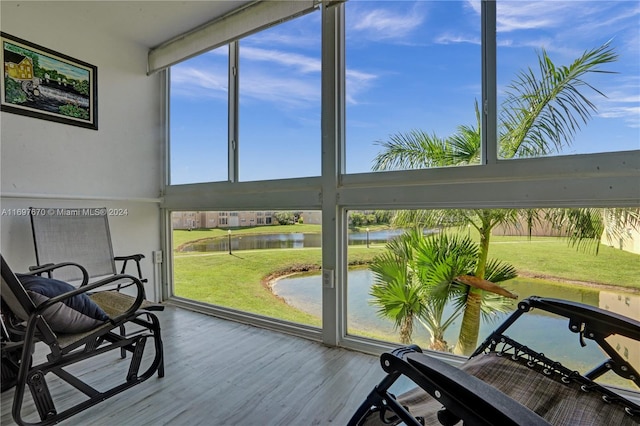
(42, 83)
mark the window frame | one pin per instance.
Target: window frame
(584, 180)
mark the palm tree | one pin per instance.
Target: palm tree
(418, 276)
(396, 291)
(540, 115)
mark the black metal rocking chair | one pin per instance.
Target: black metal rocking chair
(507, 383)
(26, 322)
(78, 235)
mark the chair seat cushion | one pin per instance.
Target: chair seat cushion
(73, 315)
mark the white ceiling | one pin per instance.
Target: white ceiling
(149, 23)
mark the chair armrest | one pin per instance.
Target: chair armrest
(596, 321)
(597, 324)
(136, 258)
(49, 267)
(133, 308)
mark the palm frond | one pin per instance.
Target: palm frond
(583, 228)
(492, 305)
(465, 143)
(543, 110)
(430, 218)
(400, 302)
(465, 146)
(498, 271)
(413, 150)
(387, 267)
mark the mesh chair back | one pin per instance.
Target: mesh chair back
(74, 235)
(20, 305)
(14, 295)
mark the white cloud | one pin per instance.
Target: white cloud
(282, 91)
(287, 91)
(297, 39)
(572, 16)
(357, 82)
(622, 101)
(512, 16)
(622, 112)
(285, 79)
(301, 63)
(195, 83)
(448, 38)
(383, 24)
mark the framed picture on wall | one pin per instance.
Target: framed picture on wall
(41, 83)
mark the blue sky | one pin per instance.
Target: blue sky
(410, 65)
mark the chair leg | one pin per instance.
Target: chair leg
(41, 395)
(10, 364)
(136, 360)
(123, 351)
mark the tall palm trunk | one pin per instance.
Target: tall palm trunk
(406, 329)
(470, 327)
(485, 237)
(437, 343)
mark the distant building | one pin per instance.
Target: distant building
(219, 219)
(312, 217)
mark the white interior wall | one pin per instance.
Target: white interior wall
(44, 163)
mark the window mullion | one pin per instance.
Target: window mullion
(489, 144)
(233, 142)
(332, 143)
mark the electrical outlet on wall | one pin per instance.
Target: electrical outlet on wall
(327, 278)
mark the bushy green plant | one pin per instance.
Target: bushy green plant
(74, 111)
(13, 92)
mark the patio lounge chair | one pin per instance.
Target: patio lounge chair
(507, 383)
(77, 334)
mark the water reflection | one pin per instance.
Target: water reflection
(548, 332)
(290, 241)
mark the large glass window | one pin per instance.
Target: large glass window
(413, 77)
(412, 80)
(397, 294)
(280, 101)
(199, 112)
(279, 108)
(236, 259)
(568, 77)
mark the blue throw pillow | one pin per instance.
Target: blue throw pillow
(73, 315)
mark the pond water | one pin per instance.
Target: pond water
(542, 331)
(292, 240)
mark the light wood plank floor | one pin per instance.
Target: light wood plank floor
(224, 373)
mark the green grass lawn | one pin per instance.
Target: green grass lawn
(239, 281)
(552, 257)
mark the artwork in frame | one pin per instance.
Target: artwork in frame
(39, 82)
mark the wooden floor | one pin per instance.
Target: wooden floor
(224, 373)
